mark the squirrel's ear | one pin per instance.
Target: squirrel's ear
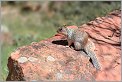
(65, 25)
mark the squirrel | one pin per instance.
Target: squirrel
(81, 41)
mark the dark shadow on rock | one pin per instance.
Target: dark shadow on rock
(90, 60)
(60, 42)
(63, 42)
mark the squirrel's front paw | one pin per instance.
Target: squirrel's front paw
(70, 47)
(67, 46)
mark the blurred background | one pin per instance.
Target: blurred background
(23, 22)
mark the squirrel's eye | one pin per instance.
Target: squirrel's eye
(60, 29)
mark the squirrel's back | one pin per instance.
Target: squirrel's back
(80, 36)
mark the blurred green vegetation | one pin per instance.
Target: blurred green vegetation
(28, 25)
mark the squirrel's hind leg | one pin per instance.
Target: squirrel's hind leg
(78, 46)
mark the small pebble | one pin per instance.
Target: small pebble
(50, 58)
(32, 59)
(22, 60)
(59, 76)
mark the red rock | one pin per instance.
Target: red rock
(50, 59)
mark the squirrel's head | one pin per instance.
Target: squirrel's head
(65, 30)
(62, 30)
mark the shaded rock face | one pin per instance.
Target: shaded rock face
(50, 59)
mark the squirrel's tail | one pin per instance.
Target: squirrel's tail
(93, 57)
(95, 62)
(89, 49)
